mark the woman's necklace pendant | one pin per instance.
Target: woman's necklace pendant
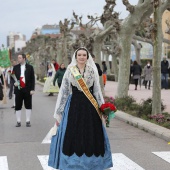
(82, 71)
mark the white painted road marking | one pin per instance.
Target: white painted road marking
(164, 155)
(3, 163)
(47, 139)
(44, 162)
(121, 162)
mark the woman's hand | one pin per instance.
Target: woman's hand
(105, 118)
(57, 123)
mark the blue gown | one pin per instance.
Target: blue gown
(78, 145)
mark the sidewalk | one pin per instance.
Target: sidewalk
(141, 93)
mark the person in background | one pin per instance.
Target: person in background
(1, 85)
(136, 71)
(131, 66)
(147, 74)
(104, 68)
(48, 86)
(164, 73)
(97, 65)
(10, 81)
(59, 75)
(56, 65)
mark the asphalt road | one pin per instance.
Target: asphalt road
(22, 148)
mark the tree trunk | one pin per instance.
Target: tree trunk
(137, 47)
(59, 54)
(124, 65)
(156, 92)
(128, 27)
(64, 55)
(97, 51)
(107, 64)
(115, 67)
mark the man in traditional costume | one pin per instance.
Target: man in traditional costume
(24, 88)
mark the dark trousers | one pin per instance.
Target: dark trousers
(136, 82)
(164, 82)
(11, 87)
(59, 85)
(146, 82)
(1, 92)
(23, 95)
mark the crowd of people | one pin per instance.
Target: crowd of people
(147, 74)
(80, 140)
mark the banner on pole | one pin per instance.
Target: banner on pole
(4, 58)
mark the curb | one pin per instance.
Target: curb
(149, 127)
(38, 82)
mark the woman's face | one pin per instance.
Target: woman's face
(81, 57)
(62, 66)
(49, 66)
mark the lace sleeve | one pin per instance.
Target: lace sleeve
(62, 96)
(97, 92)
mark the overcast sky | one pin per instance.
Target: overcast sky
(25, 15)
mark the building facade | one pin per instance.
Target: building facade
(50, 29)
(14, 41)
(166, 32)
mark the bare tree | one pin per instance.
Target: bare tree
(157, 41)
(138, 13)
(65, 30)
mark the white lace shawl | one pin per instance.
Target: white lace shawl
(91, 78)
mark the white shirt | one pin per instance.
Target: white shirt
(22, 70)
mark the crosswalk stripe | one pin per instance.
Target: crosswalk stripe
(164, 155)
(47, 139)
(44, 162)
(121, 162)
(3, 163)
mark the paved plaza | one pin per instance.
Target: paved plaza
(141, 93)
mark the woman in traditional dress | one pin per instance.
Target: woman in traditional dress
(81, 142)
(48, 86)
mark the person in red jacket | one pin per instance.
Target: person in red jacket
(56, 65)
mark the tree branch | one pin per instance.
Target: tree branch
(165, 5)
(106, 31)
(143, 39)
(140, 2)
(166, 41)
(129, 7)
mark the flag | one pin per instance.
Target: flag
(4, 58)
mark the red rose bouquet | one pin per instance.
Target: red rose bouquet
(108, 110)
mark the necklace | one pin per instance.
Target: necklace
(80, 71)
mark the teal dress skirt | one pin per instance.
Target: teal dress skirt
(81, 142)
